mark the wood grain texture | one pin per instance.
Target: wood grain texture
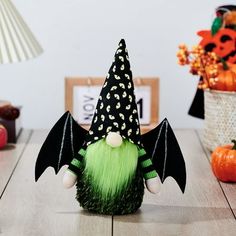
(44, 208)
(202, 210)
(230, 192)
(9, 157)
(228, 188)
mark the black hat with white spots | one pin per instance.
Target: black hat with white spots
(116, 109)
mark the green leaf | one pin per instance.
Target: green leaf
(216, 25)
(224, 63)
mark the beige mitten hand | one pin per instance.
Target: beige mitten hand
(69, 179)
(153, 185)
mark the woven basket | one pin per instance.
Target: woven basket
(220, 118)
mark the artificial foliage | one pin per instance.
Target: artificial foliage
(216, 25)
(215, 72)
(221, 40)
(111, 161)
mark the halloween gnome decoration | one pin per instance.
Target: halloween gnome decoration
(221, 39)
(108, 162)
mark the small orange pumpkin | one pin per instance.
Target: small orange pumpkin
(223, 162)
(226, 79)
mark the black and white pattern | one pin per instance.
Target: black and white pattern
(116, 107)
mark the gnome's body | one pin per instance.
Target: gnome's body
(110, 180)
(109, 183)
(110, 167)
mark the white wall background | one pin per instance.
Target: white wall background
(79, 38)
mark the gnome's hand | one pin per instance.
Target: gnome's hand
(69, 179)
(153, 185)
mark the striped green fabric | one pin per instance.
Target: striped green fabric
(76, 163)
(151, 174)
(82, 152)
(146, 163)
(141, 152)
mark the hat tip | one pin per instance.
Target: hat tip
(122, 43)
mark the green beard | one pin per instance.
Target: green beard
(110, 169)
(111, 182)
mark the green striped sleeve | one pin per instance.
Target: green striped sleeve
(76, 163)
(146, 165)
(151, 174)
(82, 152)
(141, 152)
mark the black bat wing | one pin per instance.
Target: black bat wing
(163, 148)
(63, 141)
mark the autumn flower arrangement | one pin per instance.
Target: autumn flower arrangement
(216, 73)
(213, 60)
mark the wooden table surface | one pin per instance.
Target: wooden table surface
(208, 207)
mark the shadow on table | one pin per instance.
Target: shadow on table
(150, 213)
(8, 147)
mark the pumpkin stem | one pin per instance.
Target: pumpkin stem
(234, 142)
(225, 65)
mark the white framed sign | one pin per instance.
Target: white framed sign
(85, 100)
(84, 103)
(143, 99)
(81, 95)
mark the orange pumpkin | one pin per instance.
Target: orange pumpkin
(226, 79)
(223, 162)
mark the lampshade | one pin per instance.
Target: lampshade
(17, 43)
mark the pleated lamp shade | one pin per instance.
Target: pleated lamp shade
(17, 43)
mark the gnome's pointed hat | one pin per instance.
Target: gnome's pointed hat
(116, 109)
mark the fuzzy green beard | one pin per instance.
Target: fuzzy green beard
(110, 170)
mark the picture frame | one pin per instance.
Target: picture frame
(81, 94)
